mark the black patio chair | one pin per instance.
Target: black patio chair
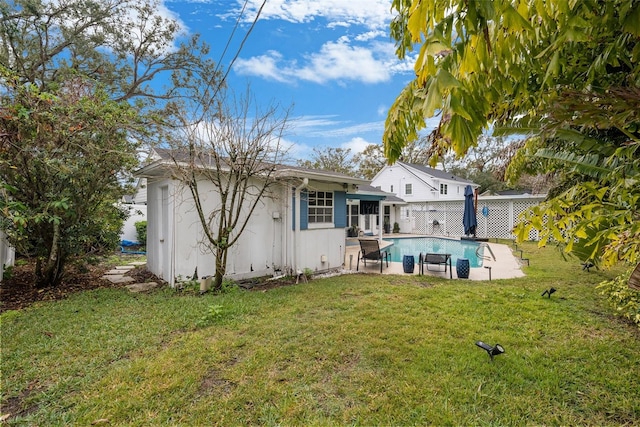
(370, 250)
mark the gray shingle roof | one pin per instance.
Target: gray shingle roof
(437, 173)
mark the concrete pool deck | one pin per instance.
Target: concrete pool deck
(506, 265)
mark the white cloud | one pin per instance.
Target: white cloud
(356, 145)
(265, 66)
(336, 61)
(339, 61)
(329, 127)
(370, 13)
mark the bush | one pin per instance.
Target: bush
(625, 300)
(141, 229)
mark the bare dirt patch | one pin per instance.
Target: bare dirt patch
(18, 291)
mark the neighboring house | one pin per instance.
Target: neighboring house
(300, 225)
(418, 186)
(136, 205)
(7, 254)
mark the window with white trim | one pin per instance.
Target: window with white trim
(320, 207)
(443, 189)
(408, 189)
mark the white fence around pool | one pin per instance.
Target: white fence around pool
(496, 217)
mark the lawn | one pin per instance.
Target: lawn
(354, 349)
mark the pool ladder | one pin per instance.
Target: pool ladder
(484, 245)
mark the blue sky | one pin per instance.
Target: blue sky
(333, 61)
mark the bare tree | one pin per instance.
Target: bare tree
(238, 149)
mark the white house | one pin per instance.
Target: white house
(136, 205)
(417, 186)
(7, 254)
(300, 225)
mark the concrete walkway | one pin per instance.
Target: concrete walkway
(119, 275)
(506, 265)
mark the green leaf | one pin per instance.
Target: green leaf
(456, 107)
(433, 100)
(631, 23)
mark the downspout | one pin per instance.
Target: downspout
(297, 219)
(380, 220)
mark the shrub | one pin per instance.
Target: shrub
(625, 300)
(141, 229)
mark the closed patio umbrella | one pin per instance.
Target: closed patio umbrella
(469, 217)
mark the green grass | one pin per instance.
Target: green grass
(353, 349)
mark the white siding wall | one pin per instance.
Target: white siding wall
(267, 246)
(254, 254)
(422, 184)
(329, 242)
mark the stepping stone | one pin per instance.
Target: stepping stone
(142, 287)
(138, 263)
(119, 272)
(124, 267)
(118, 279)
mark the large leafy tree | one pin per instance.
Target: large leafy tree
(372, 158)
(331, 159)
(563, 72)
(62, 159)
(71, 71)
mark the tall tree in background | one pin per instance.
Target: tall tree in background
(68, 67)
(331, 159)
(539, 68)
(372, 158)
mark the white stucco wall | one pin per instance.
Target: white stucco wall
(136, 213)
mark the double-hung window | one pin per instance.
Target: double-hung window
(443, 189)
(408, 189)
(320, 207)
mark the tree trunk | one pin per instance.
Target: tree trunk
(51, 273)
(221, 269)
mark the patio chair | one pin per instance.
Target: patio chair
(370, 250)
(435, 259)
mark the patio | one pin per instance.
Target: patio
(506, 265)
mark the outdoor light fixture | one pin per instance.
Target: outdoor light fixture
(492, 351)
(549, 292)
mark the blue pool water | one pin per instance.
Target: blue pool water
(415, 245)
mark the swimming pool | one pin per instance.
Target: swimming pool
(415, 245)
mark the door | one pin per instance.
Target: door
(164, 257)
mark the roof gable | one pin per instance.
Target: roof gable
(436, 173)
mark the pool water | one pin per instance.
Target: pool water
(457, 249)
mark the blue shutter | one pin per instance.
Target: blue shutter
(304, 209)
(340, 209)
